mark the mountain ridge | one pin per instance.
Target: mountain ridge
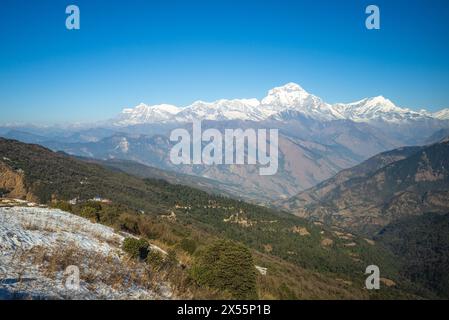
(289, 97)
(394, 184)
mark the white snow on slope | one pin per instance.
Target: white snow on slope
(52, 231)
(146, 114)
(292, 97)
(375, 109)
(237, 109)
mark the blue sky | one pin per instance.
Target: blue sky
(133, 51)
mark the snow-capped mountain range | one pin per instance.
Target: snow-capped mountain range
(279, 104)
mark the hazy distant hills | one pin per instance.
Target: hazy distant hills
(310, 152)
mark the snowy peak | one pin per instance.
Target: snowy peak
(142, 108)
(236, 109)
(380, 102)
(146, 114)
(377, 109)
(289, 95)
(442, 114)
(292, 98)
(289, 88)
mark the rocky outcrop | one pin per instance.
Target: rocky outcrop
(13, 182)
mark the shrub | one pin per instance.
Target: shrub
(94, 205)
(286, 293)
(90, 213)
(129, 222)
(62, 205)
(3, 192)
(147, 228)
(136, 248)
(227, 266)
(155, 259)
(188, 245)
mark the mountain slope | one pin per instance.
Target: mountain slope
(143, 171)
(422, 242)
(48, 175)
(407, 181)
(437, 136)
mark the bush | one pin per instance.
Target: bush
(136, 248)
(62, 205)
(155, 259)
(129, 223)
(227, 266)
(94, 205)
(90, 213)
(188, 245)
(147, 228)
(286, 293)
(3, 192)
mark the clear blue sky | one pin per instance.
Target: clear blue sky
(179, 51)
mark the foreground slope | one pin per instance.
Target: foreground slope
(38, 244)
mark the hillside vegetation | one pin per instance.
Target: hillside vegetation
(423, 244)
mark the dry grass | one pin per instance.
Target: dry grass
(95, 268)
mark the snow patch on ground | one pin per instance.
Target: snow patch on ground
(37, 243)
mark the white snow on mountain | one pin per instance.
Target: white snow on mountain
(377, 109)
(146, 114)
(292, 97)
(281, 103)
(237, 109)
(442, 114)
